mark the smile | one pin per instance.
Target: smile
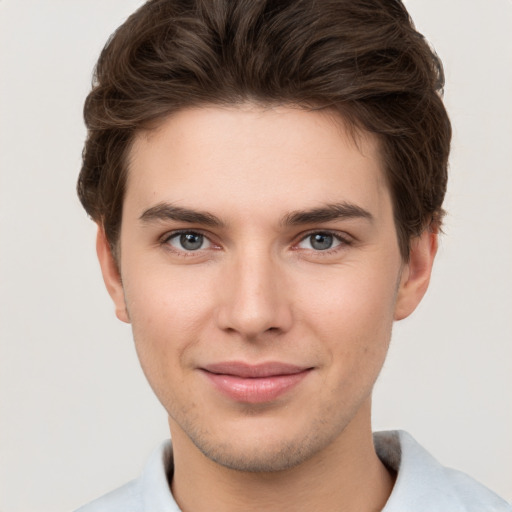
(254, 383)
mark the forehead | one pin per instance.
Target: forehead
(244, 159)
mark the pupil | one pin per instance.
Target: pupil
(321, 242)
(191, 241)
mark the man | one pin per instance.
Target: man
(268, 179)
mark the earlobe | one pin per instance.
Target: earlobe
(111, 276)
(415, 276)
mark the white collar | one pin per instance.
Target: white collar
(422, 484)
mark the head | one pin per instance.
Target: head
(268, 180)
(363, 60)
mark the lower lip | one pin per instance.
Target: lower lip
(255, 390)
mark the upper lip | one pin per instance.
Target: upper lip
(246, 370)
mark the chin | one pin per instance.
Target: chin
(264, 448)
(259, 459)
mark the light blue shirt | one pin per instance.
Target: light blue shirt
(422, 484)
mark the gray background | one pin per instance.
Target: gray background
(76, 415)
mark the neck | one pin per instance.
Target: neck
(346, 476)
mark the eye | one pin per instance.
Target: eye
(188, 241)
(320, 241)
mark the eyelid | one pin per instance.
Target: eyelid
(182, 231)
(344, 238)
(165, 238)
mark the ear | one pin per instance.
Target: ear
(416, 273)
(111, 275)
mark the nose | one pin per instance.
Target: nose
(254, 297)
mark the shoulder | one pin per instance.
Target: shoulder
(124, 499)
(423, 484)
(148, 493)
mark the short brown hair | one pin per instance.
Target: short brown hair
(361, 58)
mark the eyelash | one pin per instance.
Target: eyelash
(164, 241)
(343, 241)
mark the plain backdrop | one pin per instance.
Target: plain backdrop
(76, 415)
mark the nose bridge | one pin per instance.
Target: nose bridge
(255, 301)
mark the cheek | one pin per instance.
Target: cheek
(167, 311)
(353, 313)
(351, 299)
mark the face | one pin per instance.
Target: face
(261, 273)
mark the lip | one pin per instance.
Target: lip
(254, 384)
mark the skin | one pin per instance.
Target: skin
(259, 289)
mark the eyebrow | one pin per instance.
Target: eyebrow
(327, 213)
(166, 211)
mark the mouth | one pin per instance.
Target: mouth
(254, 384)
